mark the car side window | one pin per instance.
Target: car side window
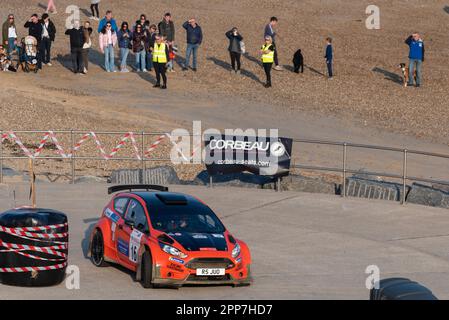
(120, 205)
(136, 214)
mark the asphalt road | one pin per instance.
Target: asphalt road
(304, 246)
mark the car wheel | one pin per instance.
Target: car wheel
(97, 249)
(147, 270)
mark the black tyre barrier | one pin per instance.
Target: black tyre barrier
(401, 289)
(33, 247)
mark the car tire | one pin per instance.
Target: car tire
(147, 270)
(97, 250)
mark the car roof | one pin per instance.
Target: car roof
(156, 197)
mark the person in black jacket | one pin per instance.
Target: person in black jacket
(234, 48)
(35, 30)
(76, 47)
(48, 36)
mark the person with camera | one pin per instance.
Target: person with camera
(194, 39)
(235, 49)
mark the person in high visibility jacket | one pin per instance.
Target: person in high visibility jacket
(267, 52)
(160, 58)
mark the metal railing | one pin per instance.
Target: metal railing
(344, 170)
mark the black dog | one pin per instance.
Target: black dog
(298, 61)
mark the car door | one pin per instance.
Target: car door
(131, 234)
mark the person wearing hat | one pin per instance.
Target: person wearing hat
(160, 59)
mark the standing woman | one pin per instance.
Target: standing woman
(160, 58)
(124, 41)
(235, 49)
(108, 40)
(87, 32)
(138, 43)
(51, 6)
(267, 52)
(9, 34)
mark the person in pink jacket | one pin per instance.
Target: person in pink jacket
(108, 41)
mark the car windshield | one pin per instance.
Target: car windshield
(181, 218)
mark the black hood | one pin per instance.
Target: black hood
(197, 241)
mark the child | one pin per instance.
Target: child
(172, 51)
(298, 61)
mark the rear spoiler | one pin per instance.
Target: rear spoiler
(131, 187)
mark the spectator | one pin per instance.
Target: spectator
(416, 57)
(142, 21)
(267, 52)
(87, 33)
(172, 52)
(48, 36)
(108, 41)
(235, 49)
(160, 58)
(167, 28)
(269, 31)
(35, 30)
(51, 6)
(138, 44)
(108, 18)
(124, 42)
(329, 56)
(76, 46)
(9, 34)
(194, 39)
(94, 9)
(149, 44)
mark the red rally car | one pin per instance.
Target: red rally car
(168, 239)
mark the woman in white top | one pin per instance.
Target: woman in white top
(9, 33)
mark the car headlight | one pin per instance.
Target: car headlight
(236, 251)
(172, 250)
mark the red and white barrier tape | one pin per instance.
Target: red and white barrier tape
(51, 137)
(23, 232)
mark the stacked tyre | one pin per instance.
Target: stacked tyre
(33, 247)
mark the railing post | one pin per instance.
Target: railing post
(404, 178)
(1, 157)
(343, 192)
(211, 182)
(72, 139)
(142, 157)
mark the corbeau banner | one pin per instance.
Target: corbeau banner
(268, 156)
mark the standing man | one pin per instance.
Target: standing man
(48, 36)
(329, 56)
(269, 32)
(167, 29)
(160, 58)
(107, 18)
(35, 30)
(9, 34)
(194, 39)
(76, 46)
(416, 56)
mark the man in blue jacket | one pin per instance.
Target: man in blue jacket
(194, 39)
(329, 56)
(107, 18)
(416, 56)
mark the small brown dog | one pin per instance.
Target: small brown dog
(5, 63)
(405, 75)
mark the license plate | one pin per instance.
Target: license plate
(210, 272)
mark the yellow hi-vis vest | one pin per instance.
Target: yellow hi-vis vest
(159, 54)
(267, 57)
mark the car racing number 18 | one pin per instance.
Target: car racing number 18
(134, 245)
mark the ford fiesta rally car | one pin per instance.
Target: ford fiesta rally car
(168, 239)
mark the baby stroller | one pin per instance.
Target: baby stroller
(28, 54)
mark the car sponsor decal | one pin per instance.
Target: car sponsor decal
(238, 260)
(199, 236)
(113, 227)
(217, 235)
(123, 247)
(176, 267)
(111, 215)
(134, 245)
(208, 249)
(176, 260)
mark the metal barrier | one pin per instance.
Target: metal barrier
(143, 159)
